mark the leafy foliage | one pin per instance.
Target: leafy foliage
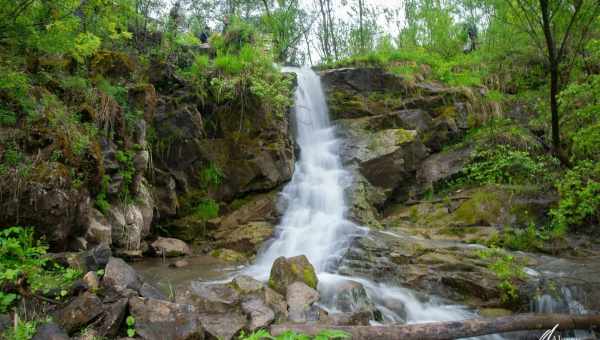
(579, 203)
(508, 269)
(503, 165)
(23, 257)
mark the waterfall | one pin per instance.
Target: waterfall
(314, 220)
(313, 223)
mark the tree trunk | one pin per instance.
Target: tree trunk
(326, 48)
(452, 329)
(361, 27)
(554, 64)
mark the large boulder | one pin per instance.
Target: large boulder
(158, 320)
(120, 276)
(109, 323)
(97, 228)
(300, 299)
(209, 298)
(246, 238)
(45, 199)
(357, 92)
(79, 312)
(223, 325)
(286, 271)
(443, 165)
(218, 305)
(259, 313)
(386, 157)
(170, 247)
(452, 270)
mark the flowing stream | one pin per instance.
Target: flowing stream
(314, 221)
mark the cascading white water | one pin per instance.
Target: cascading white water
(313, 223)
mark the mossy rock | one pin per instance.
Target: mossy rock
(229, 255)
(188, 228)
(112, 64)
(286, 271)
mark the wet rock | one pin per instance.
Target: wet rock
(347, 319)
(79, 312)
(179, 264)
(229, 255)
(119, 275)
(91, 280)
(110, 321)
(245, 238)
(223, 325)
(448, 269)
(246, 284)
(149, 291)
(50, 331)
(170, 247)
(277, 303)
(351, 296)
(260, 315)
(286, 271)
(158, 320)
(300, 299)
(209, 298)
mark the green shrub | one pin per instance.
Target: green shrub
(24, 330)
(7, 117)
(211, 175)
(586, 142)
(528, 239)
(206, 209)
(101, 201)
(503, 165)
(21, 256)
(579, 203)
(229, 64)
(508, 269)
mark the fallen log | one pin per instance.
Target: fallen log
(452, 329)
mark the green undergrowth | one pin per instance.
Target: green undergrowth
(23, 264)
(508, 269)
(242, 73)
(457, 70)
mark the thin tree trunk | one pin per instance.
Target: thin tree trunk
(332, 35)
(554, 63)
(452, 329)
(361, 27)
(326, 48)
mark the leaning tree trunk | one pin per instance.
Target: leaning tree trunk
(452, 329)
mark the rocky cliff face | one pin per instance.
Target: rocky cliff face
(400, 140)
(160, 151)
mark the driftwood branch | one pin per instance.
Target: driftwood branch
(453, 329)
